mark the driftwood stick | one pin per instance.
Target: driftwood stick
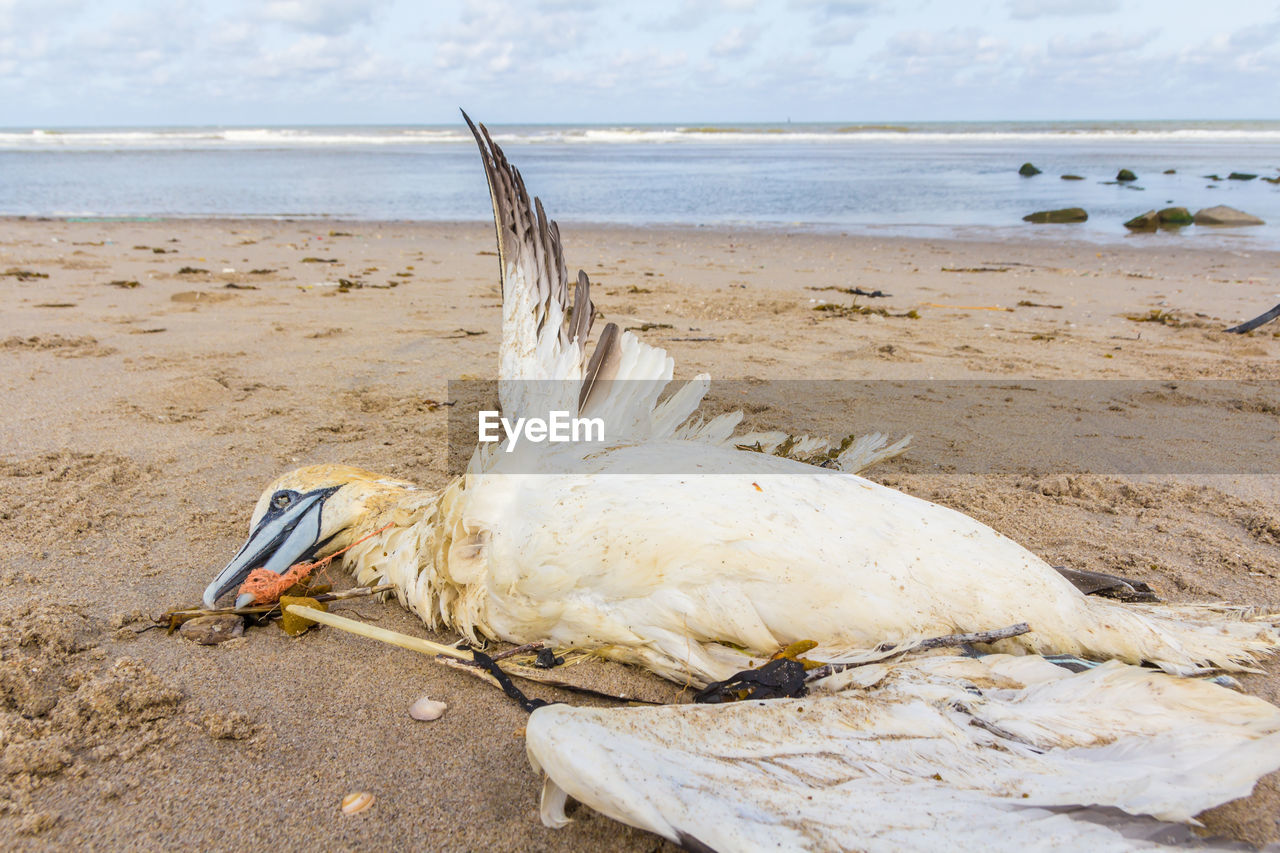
(1256, 321)
(931, 643)
(447, 655)
(373, 632)
(518, 650)
(179, 616)
(976, 637)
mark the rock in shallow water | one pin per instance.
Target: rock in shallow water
(1148, 221)
(211, 630)
(1223, 215)
(1027, 170)
(1066, 214)
(1175, 216)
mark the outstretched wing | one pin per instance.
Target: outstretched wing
(543, 363)
(1006, 753)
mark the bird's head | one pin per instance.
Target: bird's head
(307, 514)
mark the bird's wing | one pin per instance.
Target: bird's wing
(1006, 753)
(542, 360)
(543, 365)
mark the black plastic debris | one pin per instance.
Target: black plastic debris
(777, 679)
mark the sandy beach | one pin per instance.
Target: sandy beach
(145, 409)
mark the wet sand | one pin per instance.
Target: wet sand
(142, 421)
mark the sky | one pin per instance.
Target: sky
(66, 63)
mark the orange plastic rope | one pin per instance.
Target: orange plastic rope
(266, 586)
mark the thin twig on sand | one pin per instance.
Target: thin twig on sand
(931, 643)
(174, 618)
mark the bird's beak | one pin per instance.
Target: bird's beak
(283, 537)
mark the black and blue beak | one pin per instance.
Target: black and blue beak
(288, 533)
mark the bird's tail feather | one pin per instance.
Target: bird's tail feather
(1181, 639)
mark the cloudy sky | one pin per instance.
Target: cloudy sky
(122, 62)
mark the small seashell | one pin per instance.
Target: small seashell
(211, 630)
(427, 709)
(357, 802)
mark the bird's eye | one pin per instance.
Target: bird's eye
(281, 500)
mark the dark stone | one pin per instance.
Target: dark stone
(1240, 176)
(1126, 175)
(1170, 172)
(1028, 170)
(1072, 178)
(1175, 216)
(1148, 221)
(1212, 177)
(1223, 215)
(211, 630)
(1066, 214)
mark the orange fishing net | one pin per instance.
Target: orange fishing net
(266, 586)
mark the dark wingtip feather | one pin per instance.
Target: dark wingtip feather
(603, 365)
(526, 235)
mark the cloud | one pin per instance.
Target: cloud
(1249, 38)
(1099, 44)
(838, 33)
(329, 17)
(738, 41)
(1027, 10)
(915, 52)
(826, 10)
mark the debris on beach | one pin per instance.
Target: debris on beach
(126, 285)
(22, 275)
(851, 310)
(1065, 214)
(1158, 315)
(854, 291)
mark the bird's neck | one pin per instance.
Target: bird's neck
(407, 545)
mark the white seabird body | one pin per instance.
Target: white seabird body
(695, 575)
(674, 548)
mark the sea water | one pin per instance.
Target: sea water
(925, 179)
